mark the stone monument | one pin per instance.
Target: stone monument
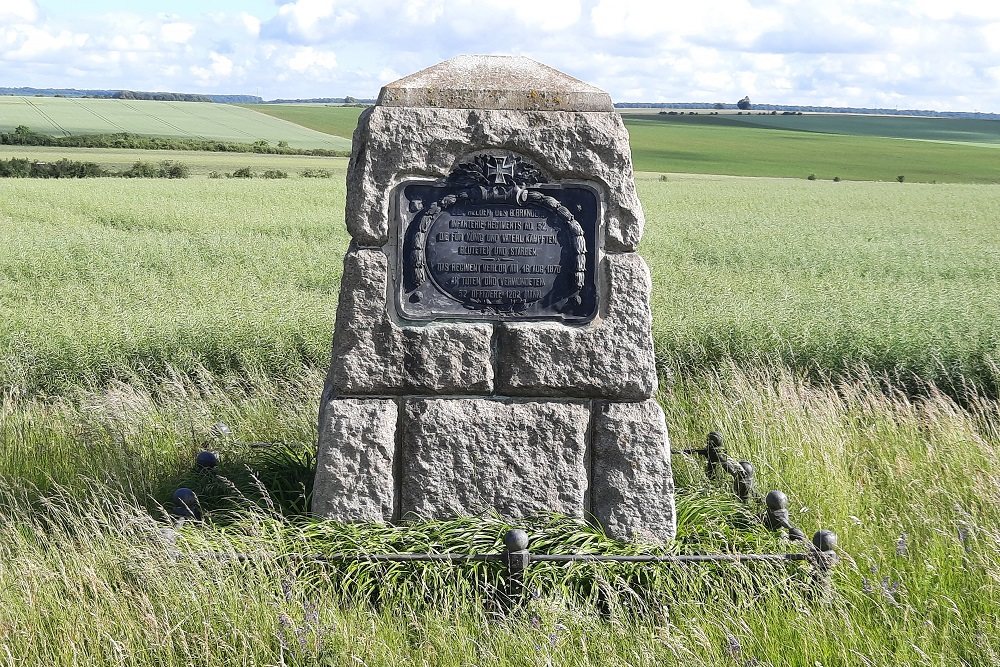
(493, 348)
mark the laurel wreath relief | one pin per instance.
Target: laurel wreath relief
(499, 179)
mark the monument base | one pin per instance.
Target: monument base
(388, 460)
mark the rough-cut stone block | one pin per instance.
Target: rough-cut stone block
(392, 144)
(466, 456)
(372, 355)
(494, 82)
(354, 465)
(633, 489)
(612, 357)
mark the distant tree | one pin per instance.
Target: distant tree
(718, 105)
(744, 103)
(350, 100)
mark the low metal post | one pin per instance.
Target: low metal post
(776, 515)
(824, 557)
(186, 505)
(206, 460)
(714, 452)
(743, 481)
(517, 558)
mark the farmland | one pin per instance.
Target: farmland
(745, 148)
(847, 147)
(337, 120)
(200, 120)
(841, 335)
(817, 276)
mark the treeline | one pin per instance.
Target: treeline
(326, 100)
(812, 109)
(160, 97)
(132, 95)
(25, 136)
(65, 168)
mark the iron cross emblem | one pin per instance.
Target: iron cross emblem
(500, 169)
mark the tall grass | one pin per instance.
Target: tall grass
(96, 284)
(91, 574)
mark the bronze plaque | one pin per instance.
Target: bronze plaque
(494, 241)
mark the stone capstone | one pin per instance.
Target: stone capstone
(467, 456)
(356, 454)
(393, 144)
(611, 357)
(633, 491)
(494, 82)
(372, 355)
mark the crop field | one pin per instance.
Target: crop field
(865, 148)
(954, 130)
(330, 119)
(201, 163)
(729, 146)
(200, 120)
(819, 276)
(841, 335)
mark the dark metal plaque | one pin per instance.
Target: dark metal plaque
(496, 242)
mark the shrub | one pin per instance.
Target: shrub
(901, 178)
(166, 169)
(172, 169)
(243, 172)
(274, 173)
(317, 173)
(836, 179)
(214, 174)
(140, 170)
(811, 177)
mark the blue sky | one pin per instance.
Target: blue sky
(927, 54)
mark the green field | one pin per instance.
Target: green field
(200, 120)
(819, 276)
(709, 146)
(201, 163)
(948, 129)
(867, 148)
(843, 336)
(330, 119)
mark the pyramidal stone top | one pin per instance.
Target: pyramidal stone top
(494, 82)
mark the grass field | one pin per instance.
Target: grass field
(819, 276)
(336, 120)
(200, 120)
(841, 335)
(958, 130)
(866, 148)
(201, 163)
(706, 146)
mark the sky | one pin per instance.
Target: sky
(913, 54)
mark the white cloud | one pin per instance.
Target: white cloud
(177, 32)
(31, 44)
(251, 23)
(18, 11)
(308, 59)
(907, 53)
(218, 69)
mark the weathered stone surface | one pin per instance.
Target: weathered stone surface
(466, 456)
(392, 144)
(372, 355)
(494, 82)
(611, 357)
(354, 465)
(633, 488)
